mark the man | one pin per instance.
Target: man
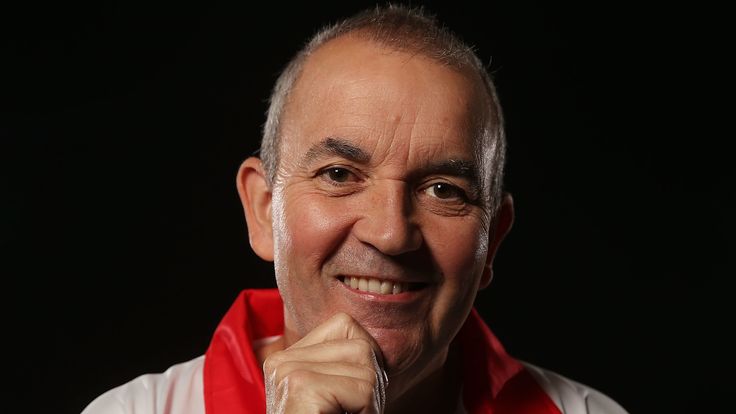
(378, 198)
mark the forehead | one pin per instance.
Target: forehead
(392, 104)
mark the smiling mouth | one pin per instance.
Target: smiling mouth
(380, 287)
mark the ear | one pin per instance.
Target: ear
(255, 195)
(499, 229)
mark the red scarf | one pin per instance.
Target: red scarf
(493, 382)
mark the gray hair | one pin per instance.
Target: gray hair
(405, 30)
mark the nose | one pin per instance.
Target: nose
(387, 219)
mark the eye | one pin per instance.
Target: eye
(445, 191)
(337, 174)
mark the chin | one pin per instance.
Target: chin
(402, 353)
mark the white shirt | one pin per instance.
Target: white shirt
(179, 390)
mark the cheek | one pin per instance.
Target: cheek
(307, 230)
(460, 249)
(317, 227)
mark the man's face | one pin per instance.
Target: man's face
(377, 210)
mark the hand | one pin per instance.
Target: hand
(336, 368)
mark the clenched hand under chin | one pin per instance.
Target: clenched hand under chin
(336, 368)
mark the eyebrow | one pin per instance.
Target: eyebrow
(335, 147)
(460, 168)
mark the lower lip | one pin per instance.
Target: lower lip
(403, 297)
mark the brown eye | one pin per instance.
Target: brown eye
(444, 191)
(338, 175)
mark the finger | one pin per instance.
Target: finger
(343, 369)
(356, 351)
(311, 391)
(345, 354)
(340, 326)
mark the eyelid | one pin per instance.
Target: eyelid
(467, 193)
(325, 170)
(445, 180)
(459, 190)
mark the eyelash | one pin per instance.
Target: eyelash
(327, 174)
(458, 192)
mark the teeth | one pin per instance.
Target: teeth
(383, 287)
(374, 285)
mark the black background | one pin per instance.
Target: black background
(123, 126)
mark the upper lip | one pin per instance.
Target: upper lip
(355, 260)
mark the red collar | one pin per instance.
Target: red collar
(494, 382)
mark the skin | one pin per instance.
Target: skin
(368, 185)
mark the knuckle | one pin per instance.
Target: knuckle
(371, 377)
(365, 351)
(280, 371)
(269, 365)
(364, 347)
(296, 380)
(272, 362)
(343, 319)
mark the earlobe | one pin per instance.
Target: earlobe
(255, 195)
(500, 228)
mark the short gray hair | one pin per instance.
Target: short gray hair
(406, 30)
